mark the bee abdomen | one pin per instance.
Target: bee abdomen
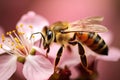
(94, 42)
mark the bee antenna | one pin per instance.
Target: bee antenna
(40, 39)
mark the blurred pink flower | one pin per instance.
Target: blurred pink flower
(19, 47)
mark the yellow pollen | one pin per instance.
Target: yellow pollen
(20, 47)
(8, 33)
(21, 33)
(3, 38)
(0, 45)
(13, 31)
(21, 25)
(17, 27)
(12, 43)
(17, 40)
(33, 36)
(31, 26)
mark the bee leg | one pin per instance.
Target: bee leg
(59, 53)
(48, 49)
(81, 53)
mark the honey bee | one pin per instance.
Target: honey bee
(81, 32)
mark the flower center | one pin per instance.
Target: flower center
(21, 59)
(17, 43)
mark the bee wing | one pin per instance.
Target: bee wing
(90, 20)
(91, 24)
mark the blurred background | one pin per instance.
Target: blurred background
(69, 10)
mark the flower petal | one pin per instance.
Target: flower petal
(37, 68)
(7, 66)
(114, 55)
(32, 19)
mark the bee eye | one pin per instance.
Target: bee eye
(49, 34)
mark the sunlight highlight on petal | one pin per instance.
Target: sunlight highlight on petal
(37, 68)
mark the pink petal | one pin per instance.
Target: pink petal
(5, 46)
(37, 68)
(7, 66)
(2, 51)
(33, 19)
(113, 55)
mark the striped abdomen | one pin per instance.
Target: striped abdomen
(93, 41)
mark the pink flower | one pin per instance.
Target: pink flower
(18, 47)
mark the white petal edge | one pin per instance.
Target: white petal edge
(37, 68)
(8, 65)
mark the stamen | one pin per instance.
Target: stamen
(14, 31)
(11, 37)
(17, 40)
(24, 39)
(0, 46)
(17, 27)
(31, 26)
(9, 33)
(17, 44)
(21, 59)
(21, 25)
(3, 38)
(21, 33)
(20, 42)
(12, 43)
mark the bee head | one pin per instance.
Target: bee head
(48, 37)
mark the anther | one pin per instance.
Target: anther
(13, 31)
(31, 26)
(21, 25)
(8, 33)
(21, 33)
(17, 40)
(3, 38)
(0, 45)
(17, 27)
